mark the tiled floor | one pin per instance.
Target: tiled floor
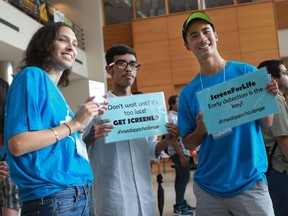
(168, 186)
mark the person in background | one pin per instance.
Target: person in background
(276, 137)
(122, 184)
(180, 157)
(9, 200)
(46, 155)
(230, 177)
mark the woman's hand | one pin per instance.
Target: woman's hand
(89, 110)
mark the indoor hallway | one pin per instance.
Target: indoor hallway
(168, 174)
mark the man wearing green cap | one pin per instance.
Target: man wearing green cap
(230, 177)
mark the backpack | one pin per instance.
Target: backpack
(269, 157)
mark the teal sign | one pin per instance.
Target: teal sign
(136, 116)
(237, 101)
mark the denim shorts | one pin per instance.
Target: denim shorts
(71, 201)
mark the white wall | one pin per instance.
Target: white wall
(76, 93)
(88, 15)
(283, 42)
(27, 26)
(13, 42)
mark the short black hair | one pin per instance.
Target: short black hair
(118, 49)
(273, 66)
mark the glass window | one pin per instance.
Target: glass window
(117, 11)
(176, 6)
(148, 8)
(243, 1)
(219, 3)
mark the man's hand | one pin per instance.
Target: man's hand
(172, 130)
(272, 87)
(98, 130)
(201, 127)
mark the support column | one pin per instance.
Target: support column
(6, 71)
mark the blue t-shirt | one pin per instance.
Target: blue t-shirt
(2, 153)
(231, 164)
(34, 103)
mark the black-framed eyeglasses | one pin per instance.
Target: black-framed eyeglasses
(121, 64)
(284, 72)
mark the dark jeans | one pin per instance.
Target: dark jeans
(278, 189)
(182, 178)
(72, 201)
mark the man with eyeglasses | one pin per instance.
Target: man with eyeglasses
(122, 171)
(276, 140)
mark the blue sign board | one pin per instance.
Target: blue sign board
(136, 116)
(237, 101)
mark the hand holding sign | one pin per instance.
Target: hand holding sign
(136, 116)
(238, 101)
(98, 130)
(272, 87)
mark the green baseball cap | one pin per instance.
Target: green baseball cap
(195, 16)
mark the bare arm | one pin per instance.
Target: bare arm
(195, 138)
(183, 159)
(176, 146)
(283, 144)
(34, 140)
(266, 122)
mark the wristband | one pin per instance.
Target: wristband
(68, 128)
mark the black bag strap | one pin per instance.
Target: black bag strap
(273, 150)
(269, 157)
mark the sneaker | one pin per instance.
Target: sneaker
(180, 210)
(188, 208)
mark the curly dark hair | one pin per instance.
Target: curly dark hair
(40, 50)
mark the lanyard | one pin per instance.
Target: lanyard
(224, 77)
